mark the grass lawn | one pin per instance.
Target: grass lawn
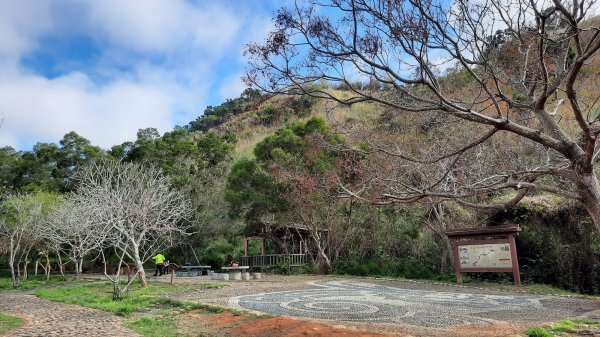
(8, 322)
(158, 313)
(155, 327)
(33, 281)
(98, 295)
(566, 328)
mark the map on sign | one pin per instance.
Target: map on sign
(494, 255)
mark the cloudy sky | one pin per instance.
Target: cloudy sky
(106, 68)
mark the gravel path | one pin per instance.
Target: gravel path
(46, 318)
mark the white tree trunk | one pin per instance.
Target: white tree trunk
(139, 265)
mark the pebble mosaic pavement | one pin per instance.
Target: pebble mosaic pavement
(365, 302)
(46, 318)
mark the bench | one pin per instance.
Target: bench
(200, 269)
(235, 273)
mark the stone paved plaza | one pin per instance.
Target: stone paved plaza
(365, 302)
(46, 318)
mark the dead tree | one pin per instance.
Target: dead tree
(520, 63)
(137, 207)
(71, 230)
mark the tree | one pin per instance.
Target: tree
(136, 205)
(19, 218)
(515, 84)
(295, 175)
(71, 229)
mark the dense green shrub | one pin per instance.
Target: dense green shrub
(220, 252)
(407, 267)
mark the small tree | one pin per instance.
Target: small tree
(135, 205)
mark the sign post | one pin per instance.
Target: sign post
(482, 250)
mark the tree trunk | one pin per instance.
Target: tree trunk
(25, 265)
(140, 266)
(591, 197)
(322, 254)
(13, 273)
(78, 268)
(60, 266)
(47, 270)
(35, 269)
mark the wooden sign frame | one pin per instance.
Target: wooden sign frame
(481, 236)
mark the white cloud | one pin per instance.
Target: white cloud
(163, 26)
(156, 66)
(21, 22)
(106, 114)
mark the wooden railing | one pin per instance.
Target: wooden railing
(294, 260)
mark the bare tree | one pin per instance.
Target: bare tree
(521, 61)
(19, 214)
(70, 229)
(136, 205)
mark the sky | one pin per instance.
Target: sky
(106, 68)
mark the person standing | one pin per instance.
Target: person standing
(159, 261)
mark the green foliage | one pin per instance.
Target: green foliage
(21, 209)
(47, 167)
(217, 115)
(566, 328)
(406, 267)
(566, 325)
(32, 282)
(302, 104)
(214, 149)
(154, 327)
(8, 322)
(252, 192)
(538, 332)
(219, 252)
(518, 96)
(269, 114)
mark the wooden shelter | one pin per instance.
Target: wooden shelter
(294, 236)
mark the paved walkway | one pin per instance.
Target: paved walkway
(353, 301)
(46, 318)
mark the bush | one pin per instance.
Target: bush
(268, 114)
(538, 332)
(407, 267)
(220, 253)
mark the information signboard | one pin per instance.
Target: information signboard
(482, 250)
(495, 255)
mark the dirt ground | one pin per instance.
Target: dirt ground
(229, 325)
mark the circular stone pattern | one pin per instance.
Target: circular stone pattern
(364, 302)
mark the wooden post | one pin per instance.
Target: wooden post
(172, 275)
(245, 246)
(263, 246)
(515, 260)
(456, 262)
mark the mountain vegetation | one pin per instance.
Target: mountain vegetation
(499, 128)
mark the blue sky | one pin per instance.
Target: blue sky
(106, 68)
